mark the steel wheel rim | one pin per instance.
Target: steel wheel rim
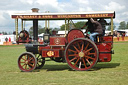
(81, 54)
(27, 62)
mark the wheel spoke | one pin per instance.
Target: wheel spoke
(88, 62)
(76, 61)
(30, 59)
(72, 50)
(37, 64)
(22, 62)
(30, 64)
(90, 57)
(82, 47)
(76, 49)
(80, 64)
(72, 55)
(72, 59)
(91, 53)
(88, 50)
(25, 66)
(84, 63)
(78, 45)
(23, 59)
(86, 46)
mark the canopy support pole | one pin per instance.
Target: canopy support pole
(22, 25)
(16, 28)
(68, 24)
(111, 25)
(65, 26)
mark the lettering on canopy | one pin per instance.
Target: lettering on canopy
(97, 15)
(62, 16)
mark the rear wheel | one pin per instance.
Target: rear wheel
(81, 54)
(27, 62)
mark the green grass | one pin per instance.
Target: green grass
(107, 73)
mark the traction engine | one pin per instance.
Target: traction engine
(75, 49)
(24, 37)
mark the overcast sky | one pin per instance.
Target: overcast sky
(8, 7)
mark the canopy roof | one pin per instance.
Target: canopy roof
(59, 16)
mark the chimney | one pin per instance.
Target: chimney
(35, 10)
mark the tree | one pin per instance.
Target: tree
(122, 25)
(77, 25)
(127, 26)
(80, 24)
(109, 27)
(4, 33)
(40, 30)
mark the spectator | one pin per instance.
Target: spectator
(9, 39)
(123, 35)
(6, 39)
(118, 36)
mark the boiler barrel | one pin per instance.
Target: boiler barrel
(31, 48)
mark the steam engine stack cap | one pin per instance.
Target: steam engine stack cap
(35, 10)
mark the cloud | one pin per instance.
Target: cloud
(47, 2)
(8, 7)
(27, 1)
(114, 6)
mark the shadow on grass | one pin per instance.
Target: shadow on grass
(56, 67)
(98, 66)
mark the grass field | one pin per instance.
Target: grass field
(109, 73)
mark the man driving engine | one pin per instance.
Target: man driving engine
(94, 28)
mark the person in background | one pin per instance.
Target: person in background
(123, 35)
(118, 36)
(9, 39)
(103, 23)
(6, 39)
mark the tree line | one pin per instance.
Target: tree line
(122, 26)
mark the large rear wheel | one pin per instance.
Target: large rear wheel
(81, 54)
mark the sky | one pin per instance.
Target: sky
(7, 8)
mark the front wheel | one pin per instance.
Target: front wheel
(27, 62)
(81, 54)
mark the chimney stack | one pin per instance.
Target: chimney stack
(35, 10)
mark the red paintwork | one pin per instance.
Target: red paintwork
(105, 49)
(57, 41)
(56, 52)
(108, 38)
(74, 33)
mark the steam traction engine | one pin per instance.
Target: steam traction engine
(78, 51)
(24, 37)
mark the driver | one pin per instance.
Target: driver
(94, 28)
